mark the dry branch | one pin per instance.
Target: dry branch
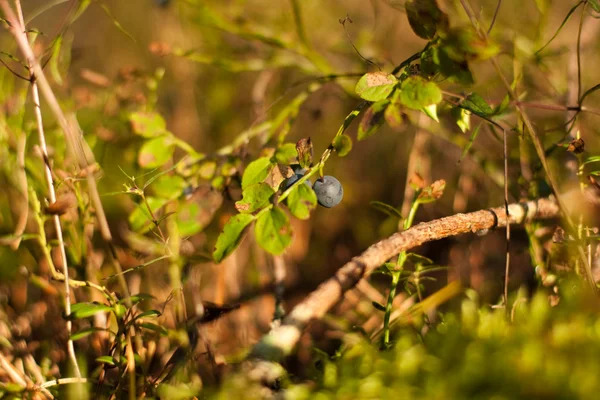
(282, 339)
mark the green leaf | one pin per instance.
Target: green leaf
(435, 60)
(418, 259)
(465, 44)
(255, 197)
(462, 118)
(425, 18)
(148, 124)
(169, 187)
(417, 93)
(372, 119)
(394, 115)
(273, 231)
(386, 209)
(257, 171)
(431, 112)
(80, 334)
(375, 86)
(595, 4)
(474, 135)
(85, 310)
(342, 144)
(154, 327)
(231, 236)
(301, 201)
(106, 360)
(286, 154)
(190, 218)
(156, 152)
(136, 298)
(477, 105)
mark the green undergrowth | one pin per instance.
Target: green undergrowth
(536, 351)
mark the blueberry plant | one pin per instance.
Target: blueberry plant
(126, 236)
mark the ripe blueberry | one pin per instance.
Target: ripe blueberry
(292, 179)
(329, 191)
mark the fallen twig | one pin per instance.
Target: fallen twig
(281, 341)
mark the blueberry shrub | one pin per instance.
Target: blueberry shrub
(260, 199)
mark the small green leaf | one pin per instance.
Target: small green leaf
(156, 152)
(465, 44)
(417, 93)
(136, 298)
(85, 310)
(375, 86)
(154, 327)
(190, 218)
(231, 236)
(431, 112)
(106, 360)
(394, 115)
(425, 18)
(257, 171)
(82, 333)
(386, 209)
(286, 154)
(148, 124)
(342, 145)
(255, 197)
(273, 231)
(372, 119)
(301, 201)
(304, 148)
(595, 4)
(462, 118)
(418, 259)
(477, 105)
(169, 187)
(378, 306)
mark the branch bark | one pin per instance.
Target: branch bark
(281, 341)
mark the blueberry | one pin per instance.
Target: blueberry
(329, 191)
(298, 170)
(292, 179)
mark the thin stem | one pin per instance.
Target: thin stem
(51, 198)
(507, 266)
(299, 25)
(534, 138)
(579, 30)
(17, 28)
(495, 16)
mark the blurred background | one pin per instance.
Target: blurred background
(213, 70)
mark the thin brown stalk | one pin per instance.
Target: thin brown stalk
(22, 176)
(49, 184)
(76, 143)
(539, 148)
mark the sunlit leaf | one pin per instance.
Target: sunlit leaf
(417, 93)
(257, 171)
(255, 197)
(301, 201)
(273, 231)
(342, 145)
(147, 124)
(232, 235)
(85, 310)
(375, 86)
(286, 154)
